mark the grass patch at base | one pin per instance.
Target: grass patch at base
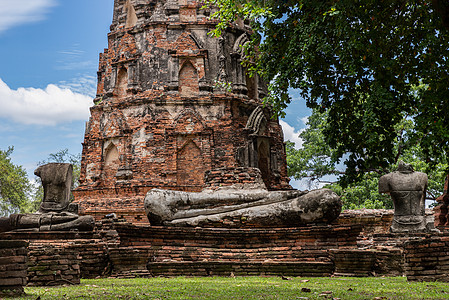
(244, 288)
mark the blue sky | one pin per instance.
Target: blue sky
(48, 62)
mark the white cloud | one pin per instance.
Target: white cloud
(50, 106)
(17, 12)
(291, 134)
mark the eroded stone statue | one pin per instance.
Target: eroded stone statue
(236, 208)
(57, 181)
(407, 189)
(54, 213)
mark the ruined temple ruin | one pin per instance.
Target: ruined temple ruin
(175, 109)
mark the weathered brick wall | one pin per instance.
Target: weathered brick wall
(93, 257)
(190, 251)
(236, 177)
(122, 249)
(267, 268)
(373, 221)
(53, 264)
(160, 121)
(441, 211)
(90, 249)
(13, 267)
(368, 262)
(427, 259)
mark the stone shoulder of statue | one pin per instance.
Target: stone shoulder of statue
(404, 179)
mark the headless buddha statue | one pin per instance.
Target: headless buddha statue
(55, 213)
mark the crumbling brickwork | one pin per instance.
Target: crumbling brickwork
(254, 252)
(441, 211)
(427, 259)
(13, 267)
(53, 264)
(172, 103)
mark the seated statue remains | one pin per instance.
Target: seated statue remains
(407, 189)
(55, 212)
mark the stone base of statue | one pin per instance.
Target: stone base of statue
(240, 208)
(411, 224)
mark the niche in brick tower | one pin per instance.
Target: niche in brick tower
(188, 80)
(193, 145)
(111, 161)
(263, 159)
(189, 162)
(121, 85)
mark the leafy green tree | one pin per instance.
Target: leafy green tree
(359, 62)
(318, 163)
(15, 188)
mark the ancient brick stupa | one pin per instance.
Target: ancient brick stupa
(175, 110)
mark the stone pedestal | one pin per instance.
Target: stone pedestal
(13, 267)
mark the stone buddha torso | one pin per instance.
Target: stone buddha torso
(407, 189)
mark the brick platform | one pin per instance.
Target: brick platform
(87, 250)
(54, 264)
(121, 249)
(268, 268)
(373, 221)
(427, 259)
(367, 262)
(203, 252)
(13, 267)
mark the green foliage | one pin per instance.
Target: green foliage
(14, 186)
(363, 194)
(316, 160)
(244, 288)
(223, 86)
(359, 62)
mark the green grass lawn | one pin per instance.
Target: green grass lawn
(244, 288)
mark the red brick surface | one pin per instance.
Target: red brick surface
(427, 259)
(53, 264)
(121, 249)
(160, 122)
(441, 211)
(13, 267)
